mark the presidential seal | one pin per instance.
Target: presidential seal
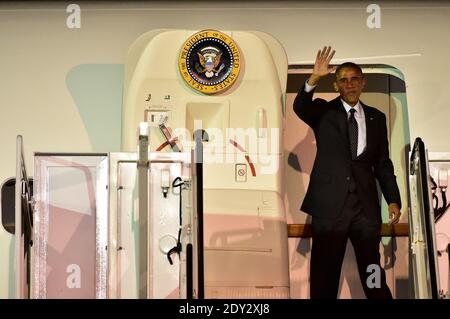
(209, 61)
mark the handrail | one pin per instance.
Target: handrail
(143, 167)
(305, 231)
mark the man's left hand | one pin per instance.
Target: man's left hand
(394, 213)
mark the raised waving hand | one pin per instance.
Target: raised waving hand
(321, 66)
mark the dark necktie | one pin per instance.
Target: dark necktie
(353, 133)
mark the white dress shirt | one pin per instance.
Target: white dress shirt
(359, 116)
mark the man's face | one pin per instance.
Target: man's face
(349, 83)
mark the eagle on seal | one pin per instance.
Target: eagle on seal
(209, 62)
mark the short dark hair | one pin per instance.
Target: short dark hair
(348, 65)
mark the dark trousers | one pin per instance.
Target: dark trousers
(328, 250)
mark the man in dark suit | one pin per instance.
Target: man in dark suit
(342, 197)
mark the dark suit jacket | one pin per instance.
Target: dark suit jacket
(334, 169)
